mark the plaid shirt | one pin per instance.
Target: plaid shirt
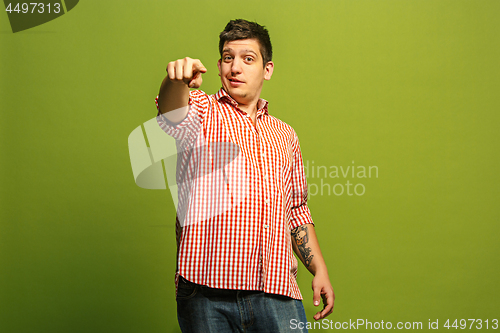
(242, 189)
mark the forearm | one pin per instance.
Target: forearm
(173, 96)
(306, 246)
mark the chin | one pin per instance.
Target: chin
(234, 92)
(239, 97)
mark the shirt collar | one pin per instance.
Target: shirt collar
(222, 95)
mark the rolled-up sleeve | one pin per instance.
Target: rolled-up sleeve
(188, 129)
(300, 213)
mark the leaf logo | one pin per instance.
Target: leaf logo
(26, 15)
(209, 167)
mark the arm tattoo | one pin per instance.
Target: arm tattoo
(301, 235)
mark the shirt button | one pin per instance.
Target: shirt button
(265, 177)
(266, 201)
(266, 226)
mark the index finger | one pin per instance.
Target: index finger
(198, 66)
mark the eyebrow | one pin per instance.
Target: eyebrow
(242, 51)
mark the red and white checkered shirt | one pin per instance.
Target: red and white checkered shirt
(242, 189)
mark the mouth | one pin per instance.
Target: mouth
(235, 82)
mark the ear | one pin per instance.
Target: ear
(218, 66)
(268, 70)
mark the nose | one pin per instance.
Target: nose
(236, 66)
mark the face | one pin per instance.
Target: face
(242, 70)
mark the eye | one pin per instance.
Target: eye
(227, 58)
(249, 59)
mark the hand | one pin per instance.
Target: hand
(186, 70)
(322, 289)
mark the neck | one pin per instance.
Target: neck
(250, 108)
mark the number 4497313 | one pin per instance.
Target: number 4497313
(34, 7)
(472, 323)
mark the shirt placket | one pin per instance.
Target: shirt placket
(264, 195)
(260, 191)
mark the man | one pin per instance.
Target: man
(242, 195)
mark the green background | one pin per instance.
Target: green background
(411, 87)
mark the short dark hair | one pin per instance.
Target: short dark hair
(243, 29)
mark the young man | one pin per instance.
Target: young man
(242, 196)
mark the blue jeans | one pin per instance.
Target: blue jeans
(203, 309)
